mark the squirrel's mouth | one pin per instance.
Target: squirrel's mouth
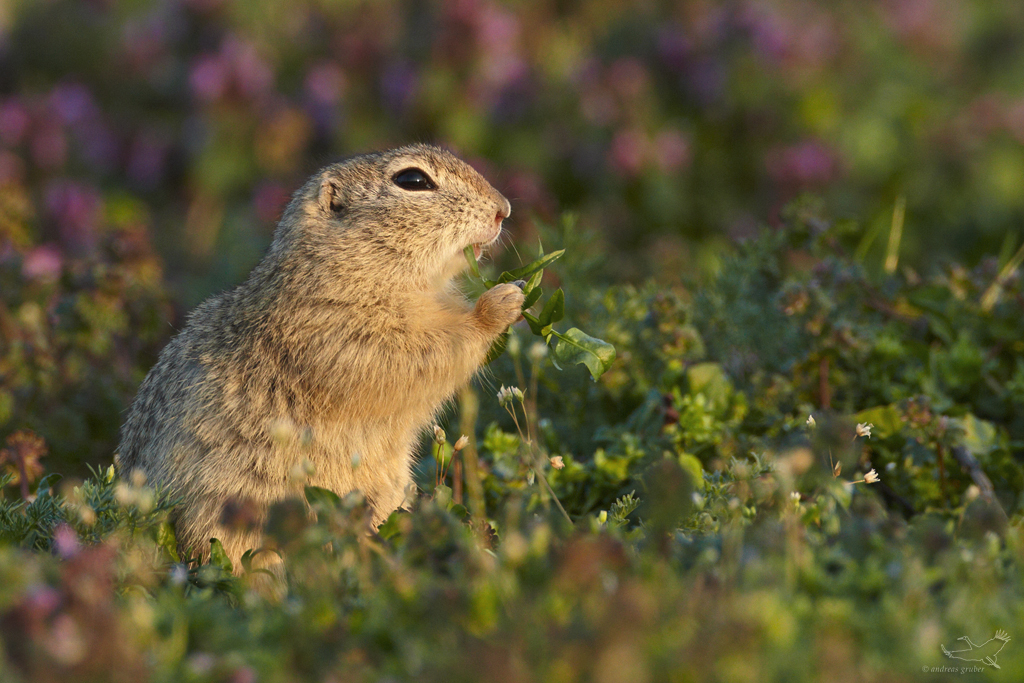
(480, 247)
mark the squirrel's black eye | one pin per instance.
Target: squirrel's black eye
(414, 179)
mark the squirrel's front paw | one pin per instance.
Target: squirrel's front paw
(500, 306)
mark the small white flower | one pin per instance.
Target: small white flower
(138, 478)
(810, 421)
(557, 462)
(871, 477)
(864, 429)
(517, 393)
(461, 443)
(538, 351)
(87, 515)
(439, 435)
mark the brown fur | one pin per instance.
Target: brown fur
(345, 341)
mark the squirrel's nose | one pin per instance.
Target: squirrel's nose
(504, 211)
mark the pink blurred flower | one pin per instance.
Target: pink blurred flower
(252, 74)
(76, 209)
(269, 201)
(49, 147)
(65, 541)
(65, 641)
(40, 601)
(42, 263)
(208, 78)
(14, 122)
(671, 151)
(325, 82)
(808, 162)
(628, 151)
(244, 674)
(627, 76)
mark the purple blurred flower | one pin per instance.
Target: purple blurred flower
(707, 78)
(808, 162)
(398, 84)
(65, 541)
(237, 69)
(325, 83)
(673, 47)
(98, 145)
(770, 33)
(76, 210)
(208, 78)
(40, 601)
(14, 122)
(147, 157)
(253, 75)
(42, 263)
(72, 103)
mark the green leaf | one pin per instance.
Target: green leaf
(166, 539)
(575, 346)
(534, 280)
(219, 557)
(692, 465)
(474, 267)
(323, 497)
(533, 322)
(391, 527)
(532, 297)
(554, 309)
(47, 483)
(497, 348)
(443, 495)
(530, 268)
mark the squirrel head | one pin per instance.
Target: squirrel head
(405, 212)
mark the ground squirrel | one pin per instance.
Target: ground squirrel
(340, 348)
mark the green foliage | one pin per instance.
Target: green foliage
(574, 347)
(791, 456)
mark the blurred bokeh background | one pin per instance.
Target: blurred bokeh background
(147, 147)
(668, 126)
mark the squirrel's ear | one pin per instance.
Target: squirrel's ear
(330, 199)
